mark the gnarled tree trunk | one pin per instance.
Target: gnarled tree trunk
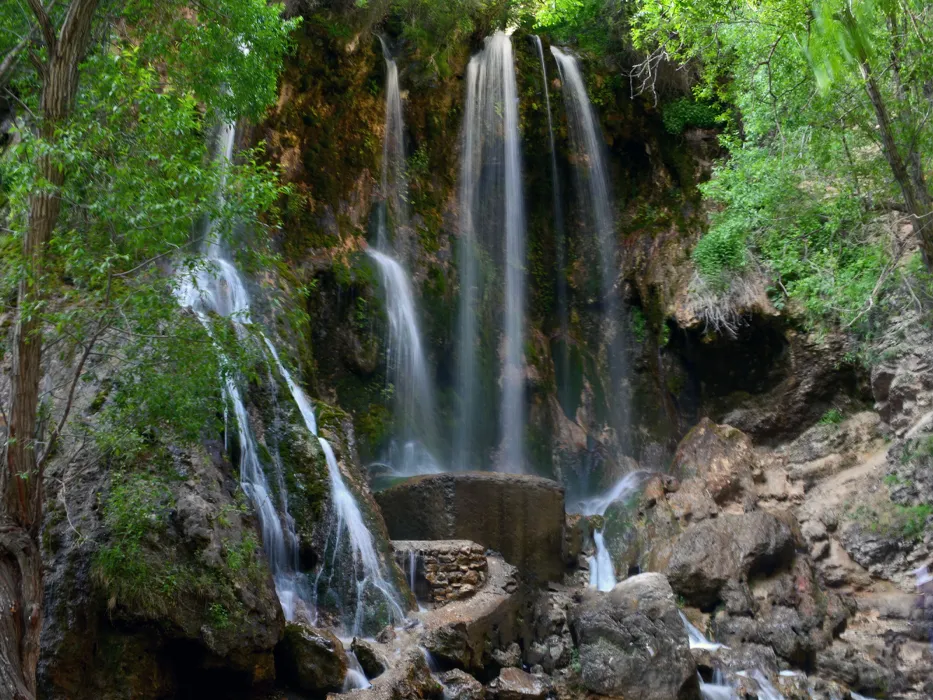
(21, 481)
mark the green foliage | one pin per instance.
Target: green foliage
(639, 325)
(137, 507)
(832, 417)
(795, 201)
(683, 113)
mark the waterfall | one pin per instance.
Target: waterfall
(696, 637)
(602, 572)
(218, 288)
(364, 562)
(591, 179)
(563, 319)
(492, 212)
(413, 448)
(394, 183)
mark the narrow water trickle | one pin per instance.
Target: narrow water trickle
(591, 180)
(492, 212)
(563, 318)
(355, 679)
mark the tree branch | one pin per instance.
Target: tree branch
(45, 24)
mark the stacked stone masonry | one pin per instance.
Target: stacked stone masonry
(444, 570)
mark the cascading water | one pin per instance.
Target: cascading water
(492, 210)
(602, 572)
(218, 288)
(364, 562)
(696, 637)
(414, 446)
(591, 179)
(394, 183)
(412, 452)
(563, 319)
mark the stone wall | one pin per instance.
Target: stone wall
(442, 571)
(519, 516)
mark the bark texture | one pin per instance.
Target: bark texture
(21, 481)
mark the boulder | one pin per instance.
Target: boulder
(311, 659)
(462, 686)
(515, 684)
(713, 552)
(722, 459)
(371, 661)
(519, 516)
(633, 643)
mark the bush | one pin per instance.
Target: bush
(682, 113)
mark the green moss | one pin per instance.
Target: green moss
(683, 113)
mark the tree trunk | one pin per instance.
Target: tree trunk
(21, 482)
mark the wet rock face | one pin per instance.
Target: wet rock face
(633, 643)
(730, 547)
(520, 516)
(311, 659)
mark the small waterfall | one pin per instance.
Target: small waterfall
(408, 374)
(492, 211)
(394, 183)
(218, 288)
(364, 562)
(591, 179)
(559, 242)
(355, 679)
(415, 443)
(717, 689)
(696, 637)
(602, 572)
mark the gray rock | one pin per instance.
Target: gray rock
(712, 552)
(511, 657)
(633, 643)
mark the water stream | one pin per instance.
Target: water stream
(492, 213)
(218, 288)
(591, 180)
(563, 319)
(602, 571)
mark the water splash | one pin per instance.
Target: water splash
(492, 211)
(602, 572)
(591, 179)
(696, 637)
